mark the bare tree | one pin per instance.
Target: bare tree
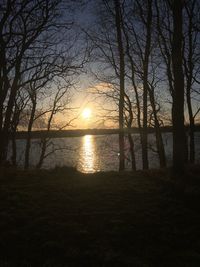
(179, 136)
(118, 23)
(36, 46)
(144, 70)
(20, 104)
(109, 50)
(21, 26)
(60, 103)
(191, 58)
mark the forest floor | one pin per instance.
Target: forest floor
(65, 218)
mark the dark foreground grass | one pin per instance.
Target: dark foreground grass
(65, 218)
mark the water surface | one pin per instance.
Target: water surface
(93, 153)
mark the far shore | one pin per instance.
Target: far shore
(81, 132)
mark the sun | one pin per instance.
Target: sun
(86, 113)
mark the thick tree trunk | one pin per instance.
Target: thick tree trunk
(6, 129)
(28, 139)
(160, 146)
(192, 129)
(138, 113)
(145, 86)
(189, 72)
(122, 86)
(192, 141)
(15, 122)
(42, 154)
(130, 139)
(27, 150)
(159, 139)
(132, 152)
(14, 150)
(179, 136)
(145, 161)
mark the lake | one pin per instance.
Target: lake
(93, 153)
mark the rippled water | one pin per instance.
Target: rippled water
(92, 153)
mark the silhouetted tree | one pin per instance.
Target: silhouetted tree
(118, 23)
(22, 25)
(36, 46)
(191, 66)
(179, 135)
(109, 49)
(144, 70)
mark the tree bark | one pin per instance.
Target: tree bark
(189, 63)
(42, 154)
(192, 128)
(28, 139)
(159, 139)
(145, 161)
(132, 152)
(138, 113)
(179, 136)
(122, 84)
(6, 129)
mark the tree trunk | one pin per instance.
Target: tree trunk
(15, 122)
(145, 162)
(145, 86)
(179, 136)
(28, 139)
(122, 78)
(159, 140)
(192, 128)
(160, 146)
(42, 154)
(138, 113)
(189, 72)
(130, 139)
(14, 149)
(5, 132)
(132, 152)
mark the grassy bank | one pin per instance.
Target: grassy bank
(65, 218)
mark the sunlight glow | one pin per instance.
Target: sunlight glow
(87, 154)
(86, 114)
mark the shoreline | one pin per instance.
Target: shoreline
(82, 132)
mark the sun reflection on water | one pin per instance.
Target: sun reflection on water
(87, 158)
